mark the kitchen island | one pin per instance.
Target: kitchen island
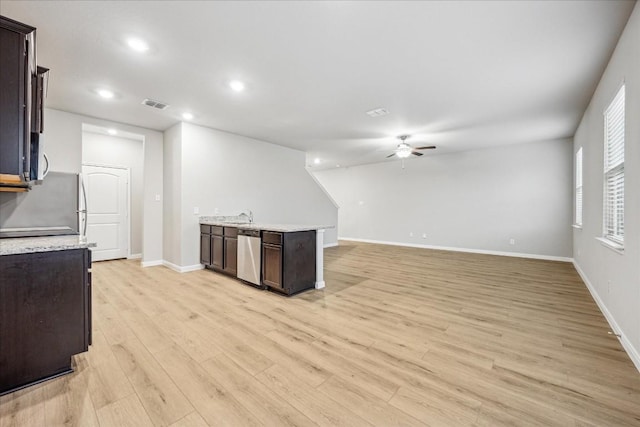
(45, 307)
(277, 239)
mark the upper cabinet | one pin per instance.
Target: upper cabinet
(22, 91)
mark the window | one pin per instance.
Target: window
(613, 227)
(579, 187)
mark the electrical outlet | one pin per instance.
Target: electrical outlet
(424, 235)
(512, 241)
(196, 211)
(411, 234)
(157, 197)
(216, 211)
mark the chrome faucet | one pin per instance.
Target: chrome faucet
(249, 216)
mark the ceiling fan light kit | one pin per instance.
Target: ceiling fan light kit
(404, 150)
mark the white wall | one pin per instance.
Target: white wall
(108, 150)
(173, 194)
(614, 278)
(63, 145)
(234, 173)
(475, 200)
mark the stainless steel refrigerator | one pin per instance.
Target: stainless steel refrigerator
(56, 207)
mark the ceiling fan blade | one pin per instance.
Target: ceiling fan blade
(415, 153)
(426, 147)
(391, 155)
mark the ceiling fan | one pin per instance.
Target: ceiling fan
(404, 150)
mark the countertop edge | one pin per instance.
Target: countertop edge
(28, 245)
(284, 228)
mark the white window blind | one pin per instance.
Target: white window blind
(614, 116)
(579, 187)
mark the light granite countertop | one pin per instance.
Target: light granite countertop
(284, 228)
(25, 245)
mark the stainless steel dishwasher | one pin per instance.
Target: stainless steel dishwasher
(249, 256)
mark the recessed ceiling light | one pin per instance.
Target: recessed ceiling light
(316, 161)
(187, 116)
(112, 131)
(107, 94)
(236, 85)
(138, 45)
(337, 166)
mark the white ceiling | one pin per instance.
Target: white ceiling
(460, 75)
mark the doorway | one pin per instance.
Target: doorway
(114, 147)
(107, 205)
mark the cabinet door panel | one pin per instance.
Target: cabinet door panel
(299, 261)
(42, 314)
(12, 101)
(272, 265)
(230, 255)
(89, 298)
(217, 252)
(205, 249)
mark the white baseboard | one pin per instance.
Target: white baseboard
(475, 251)
(180, 269)
(172, 266)
(330, 245)
(189, 268)
(633, 353)
(152, 263)
(135, 256)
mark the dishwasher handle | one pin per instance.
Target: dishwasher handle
(248, 233)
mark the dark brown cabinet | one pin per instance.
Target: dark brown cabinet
(289, 261)
(45, 315)
(219, 248)
(22, 88)
(230, 259)
(212, 246)
(217, 252)
(272, 265)
(205, 244)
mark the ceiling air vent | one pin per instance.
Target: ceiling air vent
(155, 104)
(377, 112)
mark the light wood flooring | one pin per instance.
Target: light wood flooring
(400, 336)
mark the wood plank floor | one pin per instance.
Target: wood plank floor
(400, 337)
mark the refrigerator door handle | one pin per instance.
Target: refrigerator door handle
(46, 168)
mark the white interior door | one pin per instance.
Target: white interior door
(107, 207)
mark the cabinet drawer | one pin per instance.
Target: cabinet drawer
(272, 237)
(217, 230)
(230, 232)
(206, 229)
